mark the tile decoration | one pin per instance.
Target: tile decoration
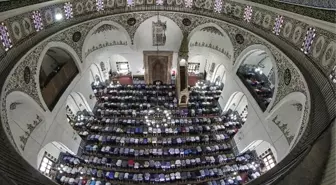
(37, 19)
(68, 10)
(218, 6)
(100, 5)
(278, 24)
(4, 37)
(159, 2)
(188, 3)
(248, 13)
(130, 3)
(309, 39)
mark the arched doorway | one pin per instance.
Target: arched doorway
(57, 71)
(257, 72)
(237, 105)
(76, 104)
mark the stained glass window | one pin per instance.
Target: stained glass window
(188, 3)
(100, 5)
(130, 2)
(4, 37)
(278, 24)
(248, 13)
(159, 2)
(308, 41)
(68, 10)
(37, 20)
(218, 6)
(332, 75)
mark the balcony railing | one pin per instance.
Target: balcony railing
(54, 89)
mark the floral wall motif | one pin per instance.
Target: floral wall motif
(104, 28)
(107, 44)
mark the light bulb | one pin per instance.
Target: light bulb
(58, 16)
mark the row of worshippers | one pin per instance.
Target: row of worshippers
(91, 170)
(134, 90)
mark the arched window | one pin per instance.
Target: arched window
(257, 73)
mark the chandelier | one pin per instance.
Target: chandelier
(158, 116)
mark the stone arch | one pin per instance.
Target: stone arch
(74, 59)
(212, 38)
(23, 116)
(288, 116)
(237, 102)
(96, 73)
(259, 59)
(220, 72)
(113, 24)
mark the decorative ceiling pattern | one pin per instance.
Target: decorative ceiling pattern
(212, 29)
(104, 28)
(16, 81)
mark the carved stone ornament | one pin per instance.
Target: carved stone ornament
(131, 21)
(239, 38)
(76, 36)
(287, 76)
(186, 22)
(27, 75)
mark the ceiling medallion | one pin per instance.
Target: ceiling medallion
(186, 22)
(26, 75)
(287, 76)
(76, 36)
(131, 21)
(239, 38)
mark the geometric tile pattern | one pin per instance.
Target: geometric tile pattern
(37, 19)
(4, 37)
(68, 10)
(308, 41)
(278, 24)
(248, 13)
(100, 5)
(218, 6)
